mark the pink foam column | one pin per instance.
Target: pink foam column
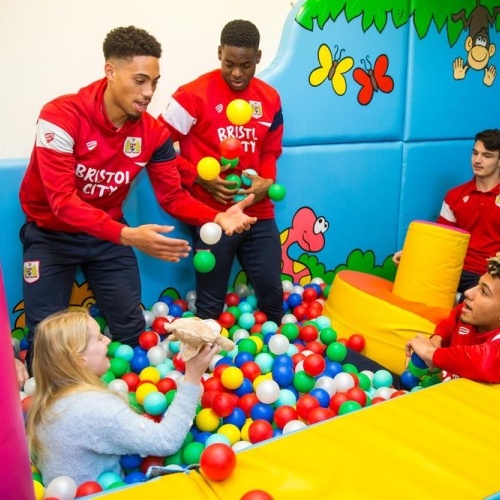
(15, 465)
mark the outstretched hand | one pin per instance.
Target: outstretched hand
(233, 220)
(148, 239)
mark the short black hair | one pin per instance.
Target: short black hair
(127, 42)
(494, 265)
(240, 33)
(490, 138)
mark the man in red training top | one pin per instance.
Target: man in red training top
(89, 148)
(467, 343)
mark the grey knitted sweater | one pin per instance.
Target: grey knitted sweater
(90, 430)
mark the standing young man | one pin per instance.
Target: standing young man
(89, 148)
(196, 118)
(475, 207)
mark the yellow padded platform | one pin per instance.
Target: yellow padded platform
(438, 443)
(364, 303)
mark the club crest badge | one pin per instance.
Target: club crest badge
(256, 108)
(31, 271)
(132, 147)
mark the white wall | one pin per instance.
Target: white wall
(54, 47)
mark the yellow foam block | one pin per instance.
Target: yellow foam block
(431, 263)
(430, 444)
(363, 303)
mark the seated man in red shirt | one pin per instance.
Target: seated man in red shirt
(467, 343)
(475, 207)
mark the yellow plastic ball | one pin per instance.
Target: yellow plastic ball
(39, 490)
(231, 377)
(207, 420)
(151, 374)
(208, 168)
(239, 112)
(143, 390)
(258, 342)
(231, 432)
(244, 429)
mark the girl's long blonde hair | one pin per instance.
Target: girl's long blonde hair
(58, 368)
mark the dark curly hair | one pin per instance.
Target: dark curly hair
(128, 42)
(494, 265)
(239, 33)
(490, 138)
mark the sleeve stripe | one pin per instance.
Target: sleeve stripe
(51, 136)
(176, 116)
(447, 213)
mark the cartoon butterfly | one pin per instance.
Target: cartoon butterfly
(331, 68)
(373, 80)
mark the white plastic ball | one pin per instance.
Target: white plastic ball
(267, 391)
(343, 382)
(241, 290)
(287, 286)
(30, 386)
(384, 392)
(214, 361)
(317, 281)
(210, 233)
(159, 309)
(157, 355)
(278, 344)
(239, 334)
(62, 488)
(327, 384)
(174, 375)
(293, 425)
(241, 445)
(149, 317)
(192, 306)
(118, 385)
(299, 367)
(298, 289)
(288, 318)
(191, 295)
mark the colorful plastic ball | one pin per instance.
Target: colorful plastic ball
(208, 168)
(134, 477)
(143, 390)
(139, 362)
(191, 453)
(210, 233)
(217, 462)
(230, 147)
(293, 426)
(159, 308)
(61, 487)
(336, 351)
(267, 391)
(207, 420)
(155, 403)
(245, 179)
(260, 430)
(235, 180)
(417, 372)
(88, 488)
(283, 374)
(305, 404)
(276, 192)
(382, 378)
(223, 404)
(256, 495)
(231, 432)
(265, 361)
(148, 339)
(239, 112)
(343, 382)
(176, 310)
(314, 364)
(157, 355)
(417, 361)
(229, 163)
(150, 374)
(247, 345)
(303, 382)
(119, 386)
(125, 352)
(204, 261)
(356, 342)
(232, 377)
(38, 489)
(236, 418)
(239, 197)
(357, 394)
(250, 369)
(409, 380)
(130, 462)
(217, 438)
(349, 407)
(321, 395)
(284, 414)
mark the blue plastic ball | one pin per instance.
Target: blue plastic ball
(167, 299)
(175, 310)
(322, 396)
(135, 477)
(243, 357)
(130, 462)
(139, 362)
(409, 380)
(283, 374)
(262, 411)
(246, 387)
(418, 361)
(237, 418)
(294, 300)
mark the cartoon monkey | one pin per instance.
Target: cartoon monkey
(478, 45)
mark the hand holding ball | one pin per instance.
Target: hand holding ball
(239, 112)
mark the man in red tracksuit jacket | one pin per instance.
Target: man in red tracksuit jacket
(89, 148)
(467, 343)
(196, 117)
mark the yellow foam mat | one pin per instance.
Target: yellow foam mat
(438, 443)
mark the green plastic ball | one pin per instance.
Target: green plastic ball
(336, 351)
(192, 452)
(276, 192)
(328, 335)
(204, 261)
(303, 382)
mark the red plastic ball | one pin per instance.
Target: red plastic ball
(314, 309)
(247, 402)
(207, 398)
(219, 369)
(224, 403)
(396, 394)
(357, 394)
(179, 363)
(259, 430)
(256, 495)
(356, 342)
(314, 364)
(297, 358)
(336, 401)
(213, 384)
(251, 370)
(316, 346)
(132, 380)
(149, 461)
(149, 339)
(182, 303)
(319, 414)
(217, 462)
(300, 312)
(308, 333)
(260, 317)
(305, 404)
(257, 328)
(227, 319)
(158, 325)
(166, 384)
(283, 415)
(309, 294)
(230, 148)
(88, 488)
(232, 299)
